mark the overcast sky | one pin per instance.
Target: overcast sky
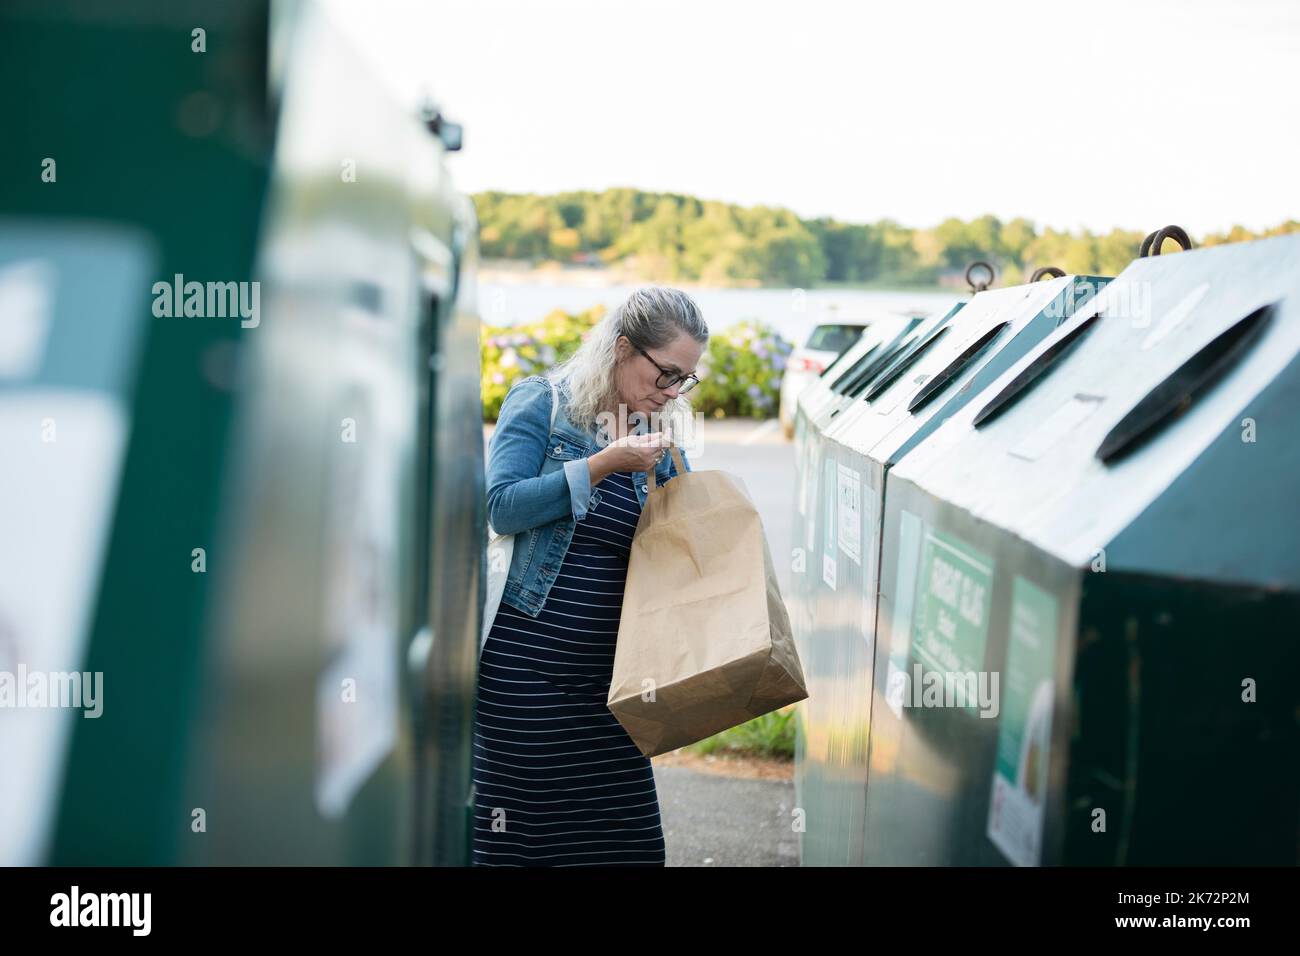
(1136, 113)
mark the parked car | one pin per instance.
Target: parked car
(809, 360)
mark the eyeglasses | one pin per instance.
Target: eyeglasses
(668, 378)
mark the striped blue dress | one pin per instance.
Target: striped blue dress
(557, 780)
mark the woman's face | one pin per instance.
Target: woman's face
(637, 375)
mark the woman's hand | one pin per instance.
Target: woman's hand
(630, 453)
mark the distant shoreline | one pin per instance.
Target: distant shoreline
(522, 272)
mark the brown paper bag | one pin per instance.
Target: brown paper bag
(704, 641)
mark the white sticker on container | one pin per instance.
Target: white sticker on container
(900, 390)
(870, 583)
(911, 532)
(848, 492)
(357, 691)
(26, 310)
(63, 455)
(828, 521)
(810, 490)
(1176, 316)
(1057, 425)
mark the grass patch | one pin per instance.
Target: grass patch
(771, 735)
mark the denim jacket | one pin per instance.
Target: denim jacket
(538, 486)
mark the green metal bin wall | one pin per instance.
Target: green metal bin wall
(895, 412)
(1116, 540)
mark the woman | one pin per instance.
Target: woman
(557, 780)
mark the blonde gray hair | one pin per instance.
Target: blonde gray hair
(650, 317)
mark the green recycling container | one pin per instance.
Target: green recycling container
(880, 344)
(1089, 587)
(943, 365)
(245, 380)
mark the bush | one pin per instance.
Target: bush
(511, 353)
(740, 373)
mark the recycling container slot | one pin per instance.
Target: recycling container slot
(869, 374)
(1175, 395)
(937, 384)
(902, 365)
(1036, 369)
(851, 373)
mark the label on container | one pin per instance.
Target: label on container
(71, 320)
(801, 457)
(810, 490)
(952, 610)
(828, 522)
(357, 691)
(911, 532)
(1015, 823)
(64, 450)
(848, 493)
(27, 305)
(870, 583)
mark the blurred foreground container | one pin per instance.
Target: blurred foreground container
(241, 356)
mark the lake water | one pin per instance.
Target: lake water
(793, 312)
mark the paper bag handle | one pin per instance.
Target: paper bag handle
(677, 458)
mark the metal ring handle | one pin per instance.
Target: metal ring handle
(1152, 243)
(1176, 233)
(977, 264)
